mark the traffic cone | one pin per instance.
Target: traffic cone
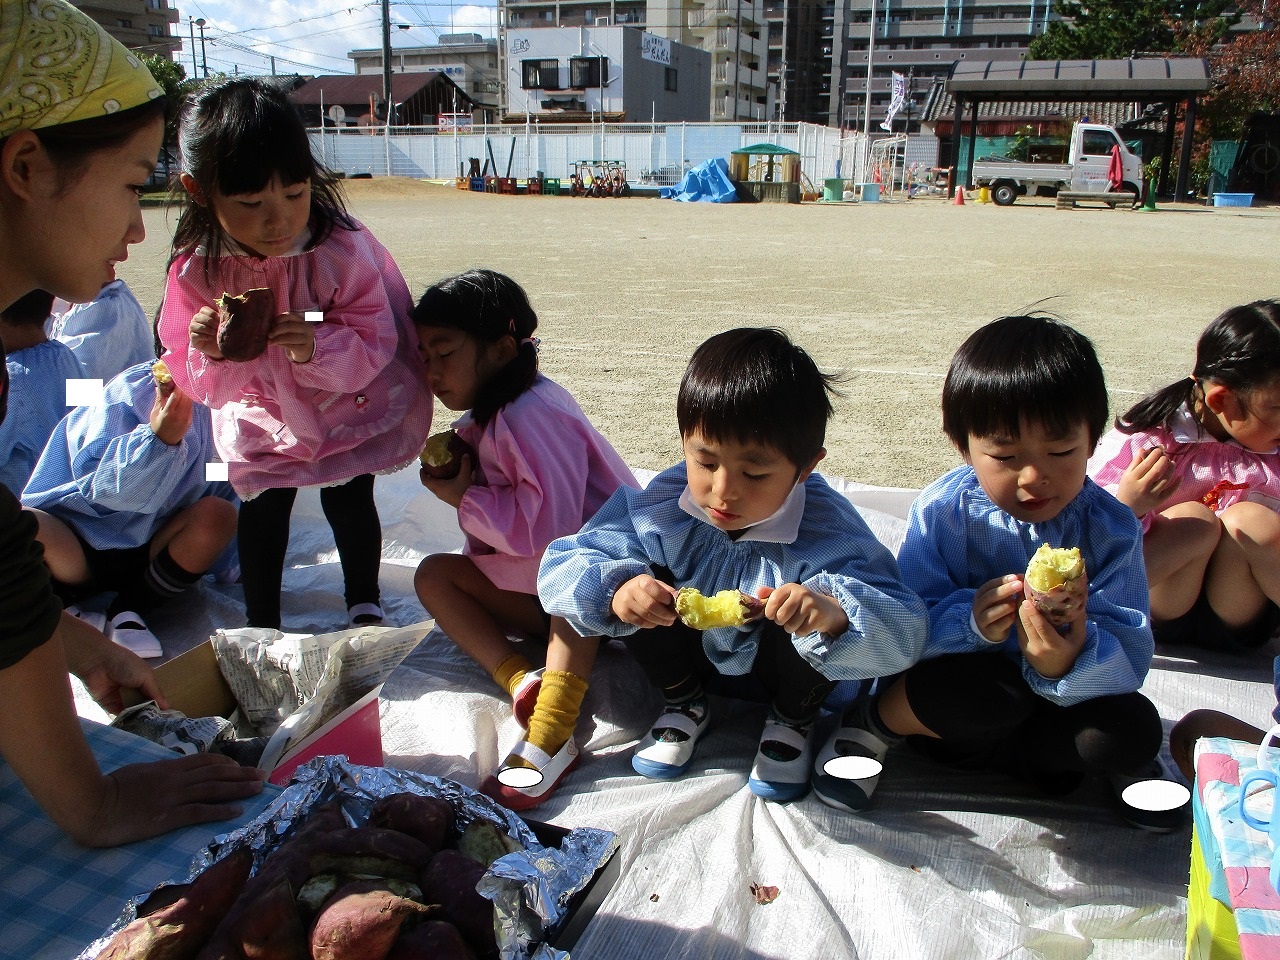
(959, 200)
(984, 195)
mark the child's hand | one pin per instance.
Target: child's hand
(645, 602)
(452, 490)
(1148, 481)
(799, 610)
(171, 416)
(295, 335)
(995, 605)
(1050, 653)
(204, 332)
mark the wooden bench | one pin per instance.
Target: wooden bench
(1067, 199)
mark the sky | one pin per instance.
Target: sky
(311, 36)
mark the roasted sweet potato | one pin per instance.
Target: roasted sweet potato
(362, 921)
(270, 928)
(485, 843)
(244, 323)
(428, 819)
(450, 880)
(178, 931)
(441, 457)
(433, 940)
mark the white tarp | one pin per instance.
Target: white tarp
(946, 864)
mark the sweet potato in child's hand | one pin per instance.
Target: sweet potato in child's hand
(1056, 583)
(728, 608)
(442, 456)
(177, 931)
(244, 323)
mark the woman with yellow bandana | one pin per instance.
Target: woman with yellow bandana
(81, 122)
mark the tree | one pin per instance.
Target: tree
(1119, 29)
(172, 78)
(1243, 68)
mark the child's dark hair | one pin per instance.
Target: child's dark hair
(236, 134)
(30, 310)
(487, 306)
(1240, 350)
(753, 385)
(1032, 369)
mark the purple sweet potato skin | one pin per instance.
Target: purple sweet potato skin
(427, 819)
(178, 931)
(450, 880)
(270, 929)
(362, 921)
(244, 323)
(433, 940)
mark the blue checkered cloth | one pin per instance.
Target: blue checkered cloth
(57, 897)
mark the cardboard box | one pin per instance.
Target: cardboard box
(195, 686)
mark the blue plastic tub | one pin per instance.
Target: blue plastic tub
(1233, 199)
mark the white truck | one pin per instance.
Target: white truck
(1087, 162)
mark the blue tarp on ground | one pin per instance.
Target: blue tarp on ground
(708, 182)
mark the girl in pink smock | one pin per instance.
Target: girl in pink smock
(534, 469)
(1199, 463)
(339, 393)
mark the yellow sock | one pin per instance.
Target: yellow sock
(510, 672)
(555, 716)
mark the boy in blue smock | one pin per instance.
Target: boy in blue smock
(744, 511)
(39, 369)
(124, 504)
(999, 686)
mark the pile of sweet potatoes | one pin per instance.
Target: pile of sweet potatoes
(401, 887)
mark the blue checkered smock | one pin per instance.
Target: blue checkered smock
(107, 475)
(957, 540)
(833, 552)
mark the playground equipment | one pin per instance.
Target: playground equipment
(767, 172)
(599, 178)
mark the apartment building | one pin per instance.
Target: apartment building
(732, 32)
(468, 59)
(919, 39)
(142, 25)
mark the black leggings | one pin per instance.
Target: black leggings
(989, 718)
(674, 661)
(263, 535)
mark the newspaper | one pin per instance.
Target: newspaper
(273, 675)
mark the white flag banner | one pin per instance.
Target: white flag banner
(895, 103)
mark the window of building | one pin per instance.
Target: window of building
(540, 74)
(669, 79)
(588, 72)
(155, 30)
(548, 15)
(125, 24)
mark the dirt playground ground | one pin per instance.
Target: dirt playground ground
(880, 293)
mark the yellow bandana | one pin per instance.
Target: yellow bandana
(58, 66)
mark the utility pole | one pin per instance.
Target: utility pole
(386, 59)
(195, 67)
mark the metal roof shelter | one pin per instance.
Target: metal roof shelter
(1167, 81)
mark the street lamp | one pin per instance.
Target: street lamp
(204, 59)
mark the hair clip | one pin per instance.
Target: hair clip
(536, 341)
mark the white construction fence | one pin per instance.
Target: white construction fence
(654, 153)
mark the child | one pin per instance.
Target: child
(1198, 463)
(328, 403)
(108, 334)
(999, 687)
(745, 511)
(39, 369)
(539, 470)
(123, 503)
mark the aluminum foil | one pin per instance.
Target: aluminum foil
(530, 889)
